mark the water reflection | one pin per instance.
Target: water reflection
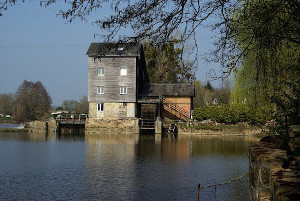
(121, 167)
(68, 137)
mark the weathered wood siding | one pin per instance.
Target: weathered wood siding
(112, 80)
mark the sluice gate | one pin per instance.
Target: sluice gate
(71, 123)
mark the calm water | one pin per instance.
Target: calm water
(11, 125)
(114, 167)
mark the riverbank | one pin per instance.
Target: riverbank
(131, 126)
(220, 129)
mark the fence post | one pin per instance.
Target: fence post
(198, 192)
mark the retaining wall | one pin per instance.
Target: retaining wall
(274, 172)
(41, 126)
(112, 126)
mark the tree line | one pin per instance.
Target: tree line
(257, 40)
(32, 102)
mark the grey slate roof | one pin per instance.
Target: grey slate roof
(113, 49)
(168, 90)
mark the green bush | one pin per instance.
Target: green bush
(231, 114)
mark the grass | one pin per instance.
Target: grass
(222, 127)
(5, 118)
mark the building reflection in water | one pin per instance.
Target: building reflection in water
(110, 165)
(133, 167)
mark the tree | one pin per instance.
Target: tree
(222, 94)
(69, 105)
(81, 106)
(32, 102)
(205, 95)
(164, 64)
(199, 99)
(268, 35)
(159, 20)
(260, 30)
(208, 86)
(6, 104)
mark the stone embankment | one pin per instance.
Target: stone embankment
(218, 129)
(225, 132)
(112, 126)
(41, 126)
(274, 170)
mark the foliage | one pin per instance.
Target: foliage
(199, 100)
(208, 86)
(81, 106)
(265, 21)
(222, 127)
(268, 35)
(204, 95)
(6, 104)
(231, 114)
(164, 64)
(260, 36)
(32, 102)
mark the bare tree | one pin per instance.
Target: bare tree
(6, 103)
(32, 102)
(81, 106)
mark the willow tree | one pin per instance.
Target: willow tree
(264, 28)
(267, 32)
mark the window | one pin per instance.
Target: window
(100, 107)
(100, 71)
(123, 105)
(123, 71)
(100, 90)
(123, 90)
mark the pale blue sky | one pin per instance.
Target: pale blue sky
(35, 44)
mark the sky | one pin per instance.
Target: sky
(38, 45)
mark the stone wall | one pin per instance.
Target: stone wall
(41, 126)
(250, 132)
(112, 126)
(113, 110)
(274, 172)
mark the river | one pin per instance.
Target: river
(122, 167)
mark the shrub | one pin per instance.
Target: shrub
(231, 114)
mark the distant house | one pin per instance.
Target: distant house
(118, 86)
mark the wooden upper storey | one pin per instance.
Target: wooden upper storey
(112, 58)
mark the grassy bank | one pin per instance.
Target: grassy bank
(223, 127)
(220, 129)
(6, 120)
